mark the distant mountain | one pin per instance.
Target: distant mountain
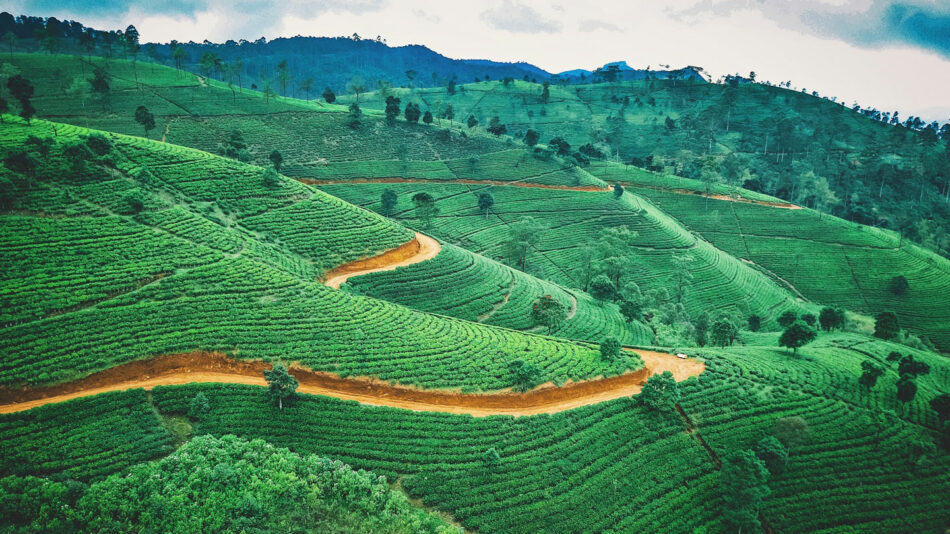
(626, 72)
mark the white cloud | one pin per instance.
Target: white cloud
(591, 25)
(519, 18)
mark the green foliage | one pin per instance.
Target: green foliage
(870, 372)
(144, 117)
(831, 318)
(723, 332)
(328, 95)
(485, 202)
(270, 178)
(809, 319)
(548, 312)
(618, 190)
(771, 451)
(426, 210)
(906, 388)
(899, 285)
(524, 374)
(531, 137)
(392, 109)
(661, 392)
(412, 113)
(744, 485)
(786, 319)
(941, 405)
(199, 406)
(886, 325)
(276, 159)
(388, 202)
(281, 385)
(754, 323)
(471, 122)
(610, 349)
(797, 335)
(225, 485)
(495, 127)
(603, 288)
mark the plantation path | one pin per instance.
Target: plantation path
(212, 367)
(420, 249)
(516, 183)
(728, 198)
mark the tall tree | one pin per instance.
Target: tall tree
(283, 76)
(356, 86)
(392, 109)
(22, 90)
(744, 484)
(281, 385)
(886, 325)
(523, 236)
(548, 312)
(387, 202)
(277, 159)
(306, 86)
(661, 392)
(524, 374)
(328, 96)
(144, 117)
(485, 203)
(797, 335)
(426, 210)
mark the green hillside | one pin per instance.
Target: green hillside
(219, 240)
(230, 265)
(574, 220)
(782, 142)
(826, 259)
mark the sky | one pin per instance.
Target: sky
(892, 55)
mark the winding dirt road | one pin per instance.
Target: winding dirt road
(420, 249)
(212, 367)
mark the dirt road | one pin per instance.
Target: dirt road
(204, 367)
(420, 249)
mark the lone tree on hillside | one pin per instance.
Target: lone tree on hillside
(755, 323)
(485, 203)
(899, 285)
(525, 375)
(496, 127)
(426, 209)
(427, 117)
(610, 349)
(471, 121)
(911, 367)
(144, 117)
(523, 236)
(906, 389)
(412, 113)
(546, 311)
(329, 96)
(886, 325)
(276, 159)
(387, 202)
(561, 146)
(744, 484)
(280, 384)
(618, 190)
(22, 90)
(724, 332)
(809, 319)
(870, 372)
(831, 318)
(661, 392)
(392, 109)
(531, 137)
(787, 318)
(796, 335)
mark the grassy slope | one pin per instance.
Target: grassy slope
(239, 262)
(575, 219)
(827, 259)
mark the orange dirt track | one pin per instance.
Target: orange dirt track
(191, 367)
(420, 249)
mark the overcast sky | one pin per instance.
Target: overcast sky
(891, 55)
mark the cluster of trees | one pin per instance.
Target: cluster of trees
(231, 484)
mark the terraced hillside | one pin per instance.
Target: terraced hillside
(217, 259)
(826, 259)
(574, 220)
(863, 467)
